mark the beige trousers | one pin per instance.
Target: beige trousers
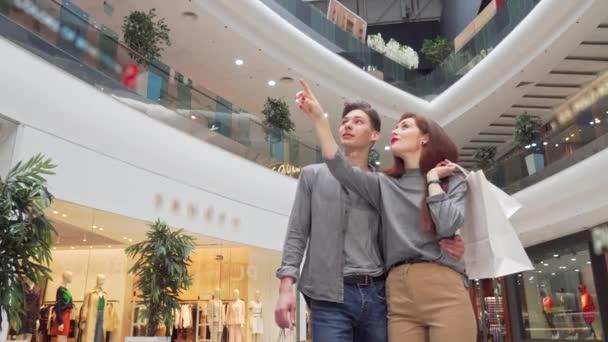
(428, 302)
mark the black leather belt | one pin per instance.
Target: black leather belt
(361, 280)
(409, 262)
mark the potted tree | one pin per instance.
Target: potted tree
(436, 50)
(484, 156)
(162, 274)
(25, 236)
(527, 130)
(147, 36)
(277, 122)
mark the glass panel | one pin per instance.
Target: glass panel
(60, 33)
(446, 74)
(559, 298)
(589, 128)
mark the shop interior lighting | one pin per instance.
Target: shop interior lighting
(573, 259)
(55, 212)
(101, 229)
(64, 215)
(272, 83)
(239, 62)
(556, 255)
(386, 148)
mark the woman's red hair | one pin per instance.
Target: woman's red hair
(439, 148)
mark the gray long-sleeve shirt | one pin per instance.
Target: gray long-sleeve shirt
(341, 231)
(398, 200)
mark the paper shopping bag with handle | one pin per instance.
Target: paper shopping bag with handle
(492, 247)
(286, 335)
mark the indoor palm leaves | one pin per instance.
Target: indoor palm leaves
(25, 233)
(277, 120)
(161, 269)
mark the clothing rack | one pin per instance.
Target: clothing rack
(78, 301)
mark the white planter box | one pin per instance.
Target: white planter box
(535, 162)
(147, 339)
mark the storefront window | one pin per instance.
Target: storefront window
(233, 289)
(558, 299)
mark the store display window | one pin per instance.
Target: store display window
(559, 298)
(91, 296)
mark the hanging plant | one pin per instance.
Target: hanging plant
(277, 119)
(162, 274)
(527, 129)
(484, 156)
(373, 158)
(25, 233)
(146, 35)
(437, 50)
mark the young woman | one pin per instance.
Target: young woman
(421, 202)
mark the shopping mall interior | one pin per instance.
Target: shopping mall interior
(191, 120)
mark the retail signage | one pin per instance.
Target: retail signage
(287, 169)
(599, 238)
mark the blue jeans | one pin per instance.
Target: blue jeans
(361, 318)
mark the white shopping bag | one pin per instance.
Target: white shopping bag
(492, 247)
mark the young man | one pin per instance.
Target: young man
(343, 275)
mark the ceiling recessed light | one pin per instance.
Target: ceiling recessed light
(193, 117)
(386, 148)
(577, 270)
(64, 215)
(84, 240)
(553, 274)
(94, 227)
(573, 259)
(239, 61)
(588, 262)
(325, 115)
(124, 237)
(556, 145)
(109, 246)
(567, 138)
(556, 255)
(545, 143)
(91, 247)
(101, 229)
(130, 240)
(572, 135)
(55, 212)
(272, 83)
(591, 123)
(72, 247)
(378, 163)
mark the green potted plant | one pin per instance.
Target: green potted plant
(484, 156)
(25, 235)
(527, 131)
(437, 50)
(146, 35)
(277, 123)
(161, 271)
(373, 158)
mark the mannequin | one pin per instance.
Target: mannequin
(235, 318)
(63, 309)
(587, 307)
(256, 323)
(31, 314)
(92, 313)
(216, 316)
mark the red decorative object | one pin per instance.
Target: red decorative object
(129, 75)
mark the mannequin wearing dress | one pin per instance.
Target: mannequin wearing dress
(217, 316)
(256, 323)
(235, 318)
(92, 320)
(63, 309)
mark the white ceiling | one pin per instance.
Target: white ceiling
(84, 227)
(205, 49)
